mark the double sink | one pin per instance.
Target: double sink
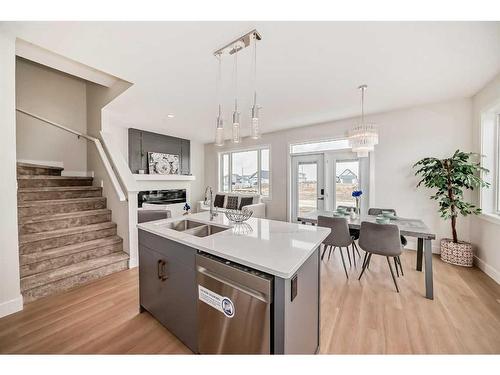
(194, 228)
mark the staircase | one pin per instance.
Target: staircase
(66, 237)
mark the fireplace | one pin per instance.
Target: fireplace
(162, 197)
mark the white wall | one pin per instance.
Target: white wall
(485, 230)
(58, 97)
(10, 293)
(406, 136)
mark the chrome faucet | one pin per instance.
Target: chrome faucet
(212, 212)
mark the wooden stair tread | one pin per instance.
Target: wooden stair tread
(46, 177)
(68, 249)
(58, 201)
(66, 215)
(57, 188)
(26, 238)
(30, 165)
(51, 276)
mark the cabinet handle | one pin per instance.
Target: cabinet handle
(158, 269)
(164, 275)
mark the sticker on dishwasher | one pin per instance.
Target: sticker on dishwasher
(218, 302)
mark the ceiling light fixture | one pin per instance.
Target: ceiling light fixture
(236, 114)
(255, 108)
(233, 48)
(170, 115)
(219, 131)
(363, 136)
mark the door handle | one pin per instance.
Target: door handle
(158, 269)
(321, 198)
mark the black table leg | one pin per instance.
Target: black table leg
(420, 253)
(429, 284)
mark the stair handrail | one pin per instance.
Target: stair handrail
(100, 150)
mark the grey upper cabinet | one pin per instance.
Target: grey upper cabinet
(141, 142)
(167, 285)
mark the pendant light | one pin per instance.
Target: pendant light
(219, 131)
(255, 131)
(236, 114)
(363, 136)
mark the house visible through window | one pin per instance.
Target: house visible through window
(250, 172)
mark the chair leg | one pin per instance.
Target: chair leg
(368, 262)
(353, 255)
(324, 251)
(396, 266)
(400, 266)
(392, 274)
(343, 262)
(365, 265)
(348, 256)
(364, 259)
(356, 247)
(330, 252)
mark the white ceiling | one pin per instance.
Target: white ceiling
(308, 71)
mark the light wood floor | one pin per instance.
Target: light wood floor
(357, 317)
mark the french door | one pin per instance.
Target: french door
(308, 189)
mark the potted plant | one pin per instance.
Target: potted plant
(450, 177)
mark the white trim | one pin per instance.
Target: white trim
(11, 306)
(492, 218)
(53, 60)
(77, 173)
(487, 269)
(412, 245)
(163, 177)
(47, 163)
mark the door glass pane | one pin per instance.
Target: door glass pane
(264, 172)
(347, 175)
(307, 189)
(244, 172)
(225, 172)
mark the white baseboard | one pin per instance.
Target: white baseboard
(48, 163)
(487, 269)
(412, 245)
(77, 173)
(11, 306)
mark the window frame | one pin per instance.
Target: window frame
(230, 169)
(497, 164)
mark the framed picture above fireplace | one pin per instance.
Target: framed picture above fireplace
(160, 163)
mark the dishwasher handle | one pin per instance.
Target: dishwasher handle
(254, 293)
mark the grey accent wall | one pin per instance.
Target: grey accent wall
(142, 142)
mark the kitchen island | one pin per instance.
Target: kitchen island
(222, 287)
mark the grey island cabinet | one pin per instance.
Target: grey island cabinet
(227, 288)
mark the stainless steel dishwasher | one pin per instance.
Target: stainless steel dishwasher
(234, 307)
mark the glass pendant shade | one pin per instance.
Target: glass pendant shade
(255, 123)
(236, 127)
(219, 132)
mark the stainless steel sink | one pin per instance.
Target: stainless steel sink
(182, 225)
(205, 230)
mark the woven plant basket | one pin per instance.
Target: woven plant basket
(459, 254)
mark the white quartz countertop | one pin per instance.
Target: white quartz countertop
(275, 247)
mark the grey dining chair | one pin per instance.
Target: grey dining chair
(338, 237)
(404, 241)
(354, 232)
(380, 239)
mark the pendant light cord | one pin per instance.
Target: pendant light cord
(236, 79)
(218, 83)
(254, 69)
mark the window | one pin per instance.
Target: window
(346, 181)
(497, 162)
(250, 172)
(490, 149)
(336, 144)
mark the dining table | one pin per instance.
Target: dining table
(407, 227)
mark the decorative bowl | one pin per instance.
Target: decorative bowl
(238, 216)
